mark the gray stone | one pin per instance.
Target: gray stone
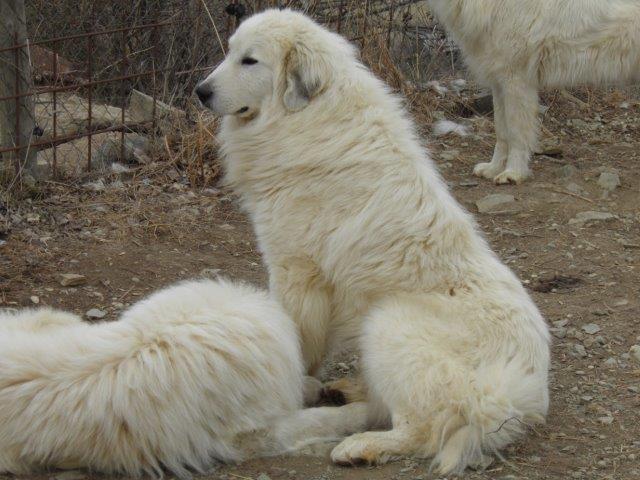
(591, 328)
(559, 332)
(634, 352)
(141, 109)
(136, 150)
(72, 279)
(496, 202)
(609, 181)
(579, 350)
(263, 476)
(567, 171)
(611, 362)
(449, 155)
(95, 313)
(590, 216)
(72, 114)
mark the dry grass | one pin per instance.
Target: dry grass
(192, 148)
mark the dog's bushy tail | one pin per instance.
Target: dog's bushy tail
(494, 410)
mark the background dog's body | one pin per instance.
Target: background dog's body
(517, 47)
(197, 372)
(364, 244)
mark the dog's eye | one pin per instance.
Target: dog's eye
(249, 61)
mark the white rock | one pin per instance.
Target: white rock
(606, 420)
(444, 127)
(95, 313)
(97, 186)
(496, 202)
(435, 86)
(35, 299)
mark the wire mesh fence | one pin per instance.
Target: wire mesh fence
(82, 82)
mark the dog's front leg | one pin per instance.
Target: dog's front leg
(301, 288)
(520, 99)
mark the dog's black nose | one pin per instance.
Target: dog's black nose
(204, 92)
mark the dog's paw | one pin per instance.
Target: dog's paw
(512, 176)
(487, 170)
(344, 390)
(359, 449)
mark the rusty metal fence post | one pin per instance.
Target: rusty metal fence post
(16, 114)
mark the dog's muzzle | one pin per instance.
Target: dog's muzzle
(205, 93)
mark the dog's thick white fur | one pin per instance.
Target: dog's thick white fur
(364, 243)
(518, 47)
(203, 371)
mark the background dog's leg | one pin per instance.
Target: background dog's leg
(302, 290)
(521, 120)
(491, 169)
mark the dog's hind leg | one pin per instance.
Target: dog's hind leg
(521, 121)
(404, 439)
(309, 427)
(501, 150)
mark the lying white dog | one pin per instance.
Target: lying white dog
(517, 47)
(364, 242)
(199, 372)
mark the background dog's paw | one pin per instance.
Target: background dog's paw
(344, 390)
(487, 170)
(512, 176)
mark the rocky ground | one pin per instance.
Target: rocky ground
(572, 234)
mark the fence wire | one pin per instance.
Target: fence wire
(85, 67)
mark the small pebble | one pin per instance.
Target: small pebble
(72, 279)
(591, 328)
(95, 313)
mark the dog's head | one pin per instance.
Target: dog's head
(277, 57)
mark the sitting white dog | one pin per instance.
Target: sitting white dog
(198, 372)
(517, 47)
(364, 243)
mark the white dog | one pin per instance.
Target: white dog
(364, 242)
(197, 372)
(518, 47)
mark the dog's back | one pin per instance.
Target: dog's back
(170, 385)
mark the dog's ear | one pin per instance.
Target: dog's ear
(306, 76)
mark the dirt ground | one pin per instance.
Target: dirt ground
(147, 229)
